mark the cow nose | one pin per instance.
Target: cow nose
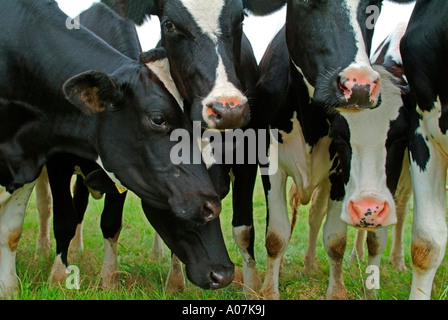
(228, 113)
(221, 279)
(359, 86)
(368, 212)
(210, 210)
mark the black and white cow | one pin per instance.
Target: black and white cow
(342, 130)
(215, 70)
(69, 209)
(68, 91)
(424, 49)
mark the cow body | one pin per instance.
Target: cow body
(117, 101)
(342, 130)
(424, 50)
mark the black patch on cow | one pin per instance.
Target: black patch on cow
(418, 147)
(396, 144)
(341, 155)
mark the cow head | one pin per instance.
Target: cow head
(371, 147)
(329, 43)
(203, 42)
(135, 115)
(200, 247)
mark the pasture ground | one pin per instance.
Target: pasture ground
(144, 279)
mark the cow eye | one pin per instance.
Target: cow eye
(158, 120)
(169, 25)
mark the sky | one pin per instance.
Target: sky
(259, 30)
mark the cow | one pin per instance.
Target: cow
(321, 95)
(215, 71)
(69, 210)
(68, 91)
(388, 55)
(424, 49)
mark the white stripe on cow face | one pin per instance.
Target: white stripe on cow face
(361, 58)
(206, 14)
(368, 135)
(162, 70)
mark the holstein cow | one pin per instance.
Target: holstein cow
(388, 56)
(214, 68)
(69, 210)
(424, 49)
(318, 88)
(68, 91)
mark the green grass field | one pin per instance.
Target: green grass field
(144, 279)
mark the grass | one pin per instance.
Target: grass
(144, 279)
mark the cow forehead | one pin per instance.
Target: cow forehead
(206, 14)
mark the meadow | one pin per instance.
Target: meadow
(142, 278)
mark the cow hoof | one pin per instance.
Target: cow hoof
(270, 294)
(337, 293)
(58, 273)
(9, 291)
(310, 265)
(110, 281)
(398, 263)
(175, 282)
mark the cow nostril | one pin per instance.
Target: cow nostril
(342, 87)
(211, 210)
(218, 280)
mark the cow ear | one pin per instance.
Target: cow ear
(263, 7)
(135, 10)
(90, 91)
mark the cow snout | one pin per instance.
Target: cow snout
(227, 113)
(222, 278)
(368, 212)
(210, 210)
(359, 87)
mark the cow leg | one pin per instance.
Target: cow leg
(335, 240)
(12, 213)
(111, 222)
(60, 172)
(376, 243)
(80, 202)
(358, 248)
(44, 204)
(175, 281)
(157, 249)
(316, 215)
(429, 229)
(277, 234)
(402, 200)
(243, 226)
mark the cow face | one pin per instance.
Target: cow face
(371, 145)
(329, 42)
(135, 115)
(203, 42)
(200, 247)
